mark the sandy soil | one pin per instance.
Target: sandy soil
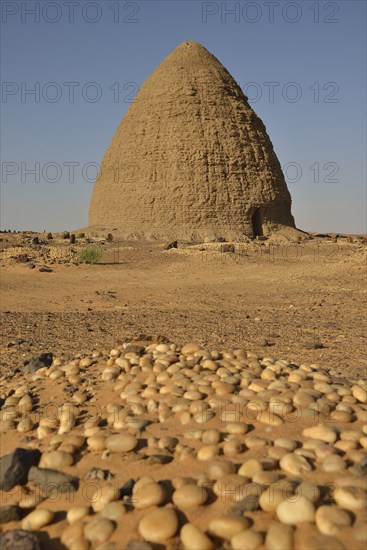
(306, 300)
(293, 295)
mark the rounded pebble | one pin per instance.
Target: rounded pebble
(292, 513)
(159, 525)
(150, 494)
(37, 519)
(227, 527)
(194, 539)
(189, 496)
(330, 519)
(247, 540)
(121, 443)
(98, 530)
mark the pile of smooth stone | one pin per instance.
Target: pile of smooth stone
(183, 447)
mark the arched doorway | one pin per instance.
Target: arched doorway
(257, 222)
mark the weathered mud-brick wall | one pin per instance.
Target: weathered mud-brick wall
(190, 159)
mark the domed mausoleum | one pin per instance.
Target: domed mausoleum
(190, 160)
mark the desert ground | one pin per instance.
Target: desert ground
(169, 331)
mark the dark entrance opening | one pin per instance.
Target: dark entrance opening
(257, 225)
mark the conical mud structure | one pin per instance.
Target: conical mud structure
(190, 160)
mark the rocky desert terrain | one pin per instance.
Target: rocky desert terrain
(208, 395)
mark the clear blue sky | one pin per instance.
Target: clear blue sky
(310, 56)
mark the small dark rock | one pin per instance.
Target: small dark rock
(39, 362)
(360, 469)
(98, 473)
(15, 466)
(30, 265)
(22, 258)
(19, 539)
(66, 235)
(109, 238)
(49, 236)
(10, 513)
(227, 248)
(174, 244)
(127, 488)
(52, 481)
(263, 342)
(248, 504)
(159, 459)
(35, 240)
(72, 238)
(141, 456)
(45, 269)
(81, 235)
(314, 345)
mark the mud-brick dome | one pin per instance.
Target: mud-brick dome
(190, 159)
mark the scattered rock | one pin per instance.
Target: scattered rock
(98, 530)
(194, 539)
(55, 459)
(159, 525)
(264, 343)
(15, 466)
(19, 539)
(37, 519)
(121, 443)
(227, 248)
(249, 504)
(77, 513)
(292, 513)
(151, 494)
(295, 464)
(351, 498)
(227, 527)
(10, 513)
(45, 269)
(98, 473)
(50, 481)
(330, 519)
(43, 360)
(314, 345)
(173, 244)
(189, 496)
(159, 459)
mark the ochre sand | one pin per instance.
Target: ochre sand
(294, 296)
